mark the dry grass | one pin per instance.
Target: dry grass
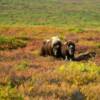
(24, 73)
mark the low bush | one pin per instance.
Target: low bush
(11, 42)
(10, 94)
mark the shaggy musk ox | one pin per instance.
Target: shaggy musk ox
(85, 56)
(68, 50)
(51, 47)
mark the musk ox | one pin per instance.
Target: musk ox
(68, 50)
(51, 47)
(85, 56)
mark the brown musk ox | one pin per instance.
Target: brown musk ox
(51, 47)
(68, 50)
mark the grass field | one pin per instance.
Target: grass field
(68, 13)
(24, 74)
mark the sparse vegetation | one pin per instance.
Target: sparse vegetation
(68, 81)
(24, 74)
(82, 14)
(7, 93)
(11, 42)
(23, 65)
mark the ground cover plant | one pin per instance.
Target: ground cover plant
(24, 74)
(71, 13)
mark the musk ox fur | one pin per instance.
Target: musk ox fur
(68, 50)
(51, 47)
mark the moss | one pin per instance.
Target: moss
(11, 42)
(10, 94)
(23, 65)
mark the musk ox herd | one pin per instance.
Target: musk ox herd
(56, 48)
(65, 50)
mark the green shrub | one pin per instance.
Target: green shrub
(10, 94)
(76, 30)
(80, 73)
(11, 42)
(80, 67)
(23, 65)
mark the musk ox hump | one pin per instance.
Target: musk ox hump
(55, 39)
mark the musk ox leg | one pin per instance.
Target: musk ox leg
(66, 58)
(70, 59)
(54, 51)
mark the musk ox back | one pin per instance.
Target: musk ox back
(68, 50)
(51, 47)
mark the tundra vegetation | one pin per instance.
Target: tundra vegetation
(24, 74)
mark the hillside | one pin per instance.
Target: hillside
(24, 74)
(69, 13)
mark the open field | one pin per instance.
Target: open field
(67, 13)
(22, 69)
(24, 74)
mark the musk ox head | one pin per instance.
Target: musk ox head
(69, 50)
(56, 46)
(57, 49)
(71, 47)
